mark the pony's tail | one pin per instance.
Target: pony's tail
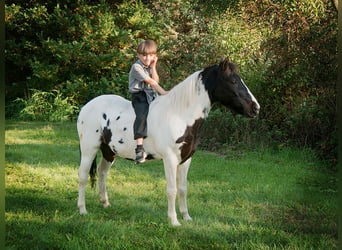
(92, 173)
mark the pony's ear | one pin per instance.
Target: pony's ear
(223, 59)
(226, 66)
(224, 63)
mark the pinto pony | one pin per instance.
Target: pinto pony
(174, 120)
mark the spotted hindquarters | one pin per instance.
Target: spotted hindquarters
(189, 140)
(108, 153)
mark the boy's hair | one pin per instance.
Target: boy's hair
(147, 47)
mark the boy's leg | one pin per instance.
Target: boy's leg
(139, 141)
(141, 108)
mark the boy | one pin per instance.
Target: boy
(143, 84)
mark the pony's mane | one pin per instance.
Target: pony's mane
(184, 92)
(196, 88)
(187, 99)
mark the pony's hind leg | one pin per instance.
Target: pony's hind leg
(182, 173)
(83, 172)
(102, 175)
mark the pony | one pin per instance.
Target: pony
(106, 123)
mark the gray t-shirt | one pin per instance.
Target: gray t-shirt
(138, 73)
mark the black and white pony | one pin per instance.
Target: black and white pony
(174, 120)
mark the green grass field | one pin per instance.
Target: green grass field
(251, 200)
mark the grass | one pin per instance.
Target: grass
(252, 200)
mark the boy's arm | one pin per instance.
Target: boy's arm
(154, 79)
(154, 72)
(154, 84)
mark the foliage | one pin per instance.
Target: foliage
(303, 43)
(299, 87)
(47, 106)
(83, 43)
(223, 131)
(286, 52)
(266, 199)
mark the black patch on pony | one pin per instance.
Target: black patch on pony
(190, 140)
(92, 173)
(104, 116)
(106, 137)
(107, 153)
(210, 75)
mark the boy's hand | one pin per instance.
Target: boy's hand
(154, 61)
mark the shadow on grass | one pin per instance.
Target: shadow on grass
(39, 202)
(34, 154)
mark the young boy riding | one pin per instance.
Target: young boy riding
(143, 85)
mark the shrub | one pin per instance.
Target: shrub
(236, 132)
(87, 42)
(47, 106)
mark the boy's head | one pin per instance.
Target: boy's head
(147, 47)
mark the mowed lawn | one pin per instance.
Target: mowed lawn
(265, 199)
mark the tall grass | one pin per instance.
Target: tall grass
(253, 200)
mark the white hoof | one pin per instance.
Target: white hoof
(175, 222)
(83, 211)
(105, 204)
(187, 217)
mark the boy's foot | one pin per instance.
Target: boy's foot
(140, 154)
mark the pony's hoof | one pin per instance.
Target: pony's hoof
(187, 217)
(175, 223)
(82, 208)
(83, 212)
(105, 203)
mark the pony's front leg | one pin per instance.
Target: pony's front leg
(182, 173)
(102, 173)
(170, 167)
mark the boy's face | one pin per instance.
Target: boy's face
(147, 59)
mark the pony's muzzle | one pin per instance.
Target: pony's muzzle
(254, 109)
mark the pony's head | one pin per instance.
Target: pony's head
(224, 85)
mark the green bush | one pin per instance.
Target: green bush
(87, 42)
(312, 124)
(237, 132)
(47, 106)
